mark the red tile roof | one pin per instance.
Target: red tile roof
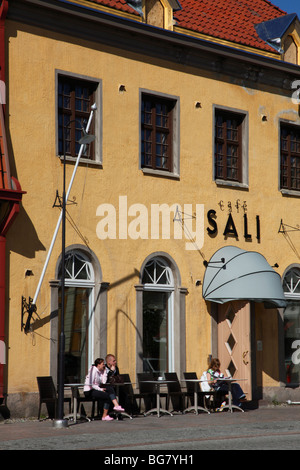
(117, 4)
(229, 20)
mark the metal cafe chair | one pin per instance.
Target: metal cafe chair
(48, 396)
(175, 393)
(201, 394)
(190, 387)
(146, 390)
(83, 399)
(129, 396)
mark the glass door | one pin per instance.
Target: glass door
(78, 316)
(155, 332)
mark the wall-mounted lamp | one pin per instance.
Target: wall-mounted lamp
(198, 104)
(122, 88)
(198, 283)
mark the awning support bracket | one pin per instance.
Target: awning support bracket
(282, 228)
(209, 263)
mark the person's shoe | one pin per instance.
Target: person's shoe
(118, 408)
(243, 399)
(222, 406)
(107, 418)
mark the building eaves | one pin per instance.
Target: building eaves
(227, 20)
(133, 35)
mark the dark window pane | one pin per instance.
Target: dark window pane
(155, 332)
(290, 157)
(76, 304)
(74, 104)
(228, 142)
(156, 121)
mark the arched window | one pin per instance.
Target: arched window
(291, 283)
(78, 327)
(291, 287)
(160, 316)
(157, 274)
(158, 321)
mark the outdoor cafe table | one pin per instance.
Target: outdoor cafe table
(195, 407)
(158, 408)
(230, 406)
(74, 388)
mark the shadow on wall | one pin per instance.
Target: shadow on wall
(22, 237)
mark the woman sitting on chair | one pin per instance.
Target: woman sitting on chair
(95, 387)
(214, 377)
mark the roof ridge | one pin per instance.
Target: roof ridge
(275, 6)
(227, 20)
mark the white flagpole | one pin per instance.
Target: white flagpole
(94, 107)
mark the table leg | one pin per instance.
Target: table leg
(158, 400)
(158, 409)
(73, 415)
(196, 407)
(230, 406)
(75, 408)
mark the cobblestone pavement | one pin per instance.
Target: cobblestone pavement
(276, 428)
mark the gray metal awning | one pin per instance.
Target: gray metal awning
(236, 274)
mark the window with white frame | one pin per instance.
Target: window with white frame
(78, 324)
(75, 95)
(159, 133)
(291, 287)
(230, 147)
(289, 157)
(158, 317)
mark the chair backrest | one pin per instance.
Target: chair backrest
(143, 385)
(125, 377)
(173, 386)
(190, 386)
(46, 387)
(204, 385)
(127, 388)
(76, 393)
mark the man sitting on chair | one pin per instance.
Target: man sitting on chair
(112, 369)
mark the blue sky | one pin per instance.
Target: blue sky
(290, 6)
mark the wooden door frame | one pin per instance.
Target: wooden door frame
(256, 393)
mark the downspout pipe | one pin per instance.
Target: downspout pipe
(3, 13)
(10, 195)
(2, 317)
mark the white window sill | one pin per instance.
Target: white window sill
(289, 192)
(232, 184)
(83, 160)
(166, 174)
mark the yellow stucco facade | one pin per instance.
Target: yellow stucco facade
(35, 55)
